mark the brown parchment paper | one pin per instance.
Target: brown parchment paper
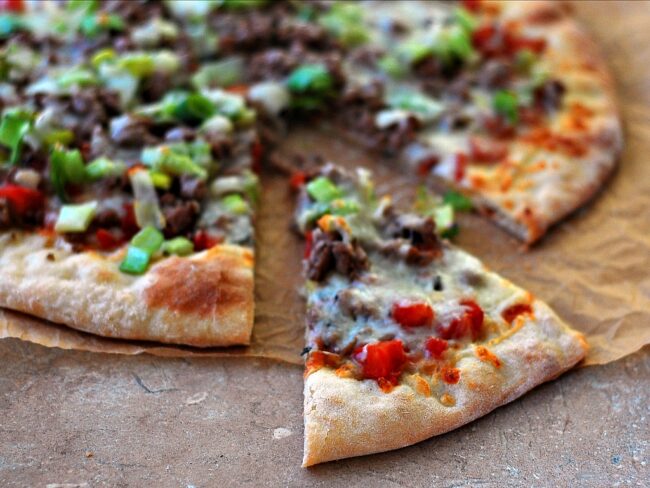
(593, 268)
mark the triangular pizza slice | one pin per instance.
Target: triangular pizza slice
(408, 336)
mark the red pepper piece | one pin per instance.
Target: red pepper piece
(14, 6)
(129, 224)
(436, 347)
(469, 324)
(22, 199)
(203, 240)
(309, 242)
(487, 150)
(514, 311)
(382, 360)
(450, 375)
(297, 180)
(461, 165)
(106, 240)
(471, 5)
(412, 314)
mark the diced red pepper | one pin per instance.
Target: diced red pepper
(238, 89)
(487, 150)
(471, 5)
(461, 165)
(491, 40)
(297, 180)
(129, 224)
(203, 240)
(309, 242)
(22, 200)
(408, 314)
(436, 347)
(382, 360)
(426, 165)
(257, 154)
(469, 324)
(514, 311)
(106, 240)
(14, 6)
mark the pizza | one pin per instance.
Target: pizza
(132, 135)
(408, 336)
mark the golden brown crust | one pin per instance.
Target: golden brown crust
(345, 417)
(203, 300)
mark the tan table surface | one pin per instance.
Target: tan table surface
(91, 420)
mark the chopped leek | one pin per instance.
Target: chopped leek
(146, 207)
(457, 200)
(421, 105)
(443, 216)
(102, 56)
(66, 167)
(76, 77)
(345, 22)
(392, 66)
(310, 84)
(235, 204)
(505, 103)
(179, 246)
(465, 19)
(75, 218)
(160, 180)
(136, 261)
(167, 160)
(13, 128)
(323, 190)
(220, 73)
(192, 108)
(343, 206)
(103, 168)
(143, 246)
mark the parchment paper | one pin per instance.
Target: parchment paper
(593, 268)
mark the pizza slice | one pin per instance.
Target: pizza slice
(408, 336)
(508, 102)
(127, 193)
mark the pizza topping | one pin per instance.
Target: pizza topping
(142, 248)
(382, 360)
(436, 347)
(468, 325)
(514, 311)
(75, 218)
(409, 314)
(419, 232)
(450, 375)
(335, 251)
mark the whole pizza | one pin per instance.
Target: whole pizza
(133, 134)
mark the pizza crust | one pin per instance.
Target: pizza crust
(203, 300)
(574, 58)
(345, 417)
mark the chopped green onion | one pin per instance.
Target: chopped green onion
(9, 24)
(74, 168)
(76, 77)
(146, 206)
(75, 218)
(242, 4)
(453, 44)
(143, 246)
(104, 168)
(93, 24)
(345, 22)
(310, 83)
(465, 19)
(13, 128)
(138, 64)
(343, 206)
(458, 201)
(160, 180)
(86, 5)
(414, 51)
(58, 136)
(220, 73)
(505, 103)
(192, 108)
(323, 190)
(179, 246)
(235, 204)
(417, 103)
(392, 66)
(443, 215)
(166, 160)
(102, 56)
(148, 239)
(136, 261)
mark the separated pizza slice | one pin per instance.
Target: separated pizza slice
(408, 337)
